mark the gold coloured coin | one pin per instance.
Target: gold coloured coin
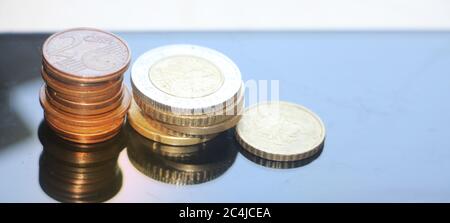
(280, 131)
(151, 129)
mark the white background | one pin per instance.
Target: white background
(167, 15)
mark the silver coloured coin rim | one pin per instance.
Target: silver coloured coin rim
(140, 77)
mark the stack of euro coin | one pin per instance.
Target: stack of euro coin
(83, 97)
(184, 94)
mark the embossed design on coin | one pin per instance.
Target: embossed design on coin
(280, 131)
(186, 76)
(86, 52)
(186, 79)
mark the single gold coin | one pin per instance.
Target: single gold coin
(280, 131)
(153, 130)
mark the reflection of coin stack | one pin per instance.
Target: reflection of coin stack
(185, 94)
(182, 165)
(71, 172)
(84, 99)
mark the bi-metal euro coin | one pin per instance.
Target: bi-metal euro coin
(186, 80)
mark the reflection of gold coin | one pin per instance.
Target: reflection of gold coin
(279, 164)
(207, 162)
(153, 130)
(165, 150)
(280, 131)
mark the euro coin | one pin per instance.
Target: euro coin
(86, 55)
(280, 131)
(153, 130)
(186, 79)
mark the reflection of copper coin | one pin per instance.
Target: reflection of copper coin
(86, 55)
(75, 135)
(80, 154)
(71, 172)
(86, 109)
(81, 120)
(178, 151)
(91, 90)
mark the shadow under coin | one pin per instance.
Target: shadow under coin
(71, 172)
(280, 164)
(181, 165)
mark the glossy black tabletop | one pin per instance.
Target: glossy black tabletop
(384, 99)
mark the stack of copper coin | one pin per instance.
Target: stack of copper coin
(84, 99)
(184, 94)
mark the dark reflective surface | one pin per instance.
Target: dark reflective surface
(182, 165)
(280, 164)
(382, 96)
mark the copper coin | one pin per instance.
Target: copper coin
(84, 129)
(82, 86)
(79, 98)
(85, 111)
(79, 91)
(86, 54)
(82, 105)
(63, 77)
(82, 120)
(55, 76)
(84, 138)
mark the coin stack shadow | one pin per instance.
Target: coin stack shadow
(80, 107)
